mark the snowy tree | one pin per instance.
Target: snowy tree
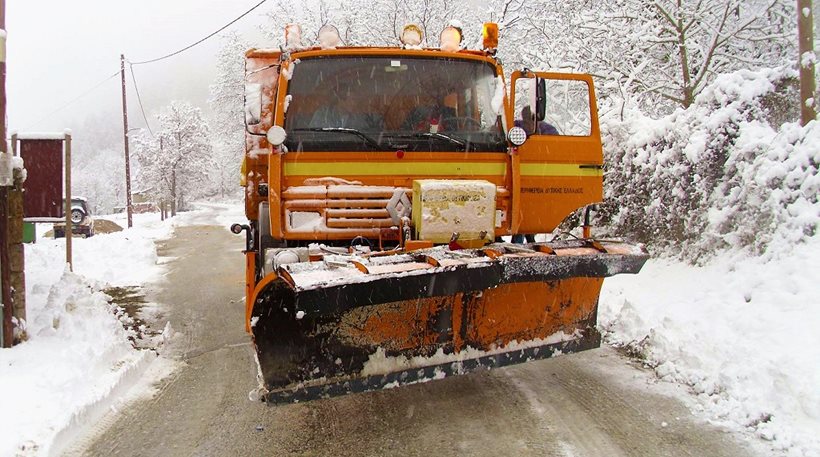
(148, 178)
(674, 48)
(283, 12)
(101, 179)
(658, 52)
(176, 161)
(227, 124)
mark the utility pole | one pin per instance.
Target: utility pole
(68, 226)
(805, 32)
(125, 139)
(5, 267)
(162, 213)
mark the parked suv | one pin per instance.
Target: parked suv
(81, 221)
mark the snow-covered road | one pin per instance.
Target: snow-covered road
(595, 403)
(82, 388)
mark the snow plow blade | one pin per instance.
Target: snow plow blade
(351, 324)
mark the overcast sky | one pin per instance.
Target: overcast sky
(58, 49)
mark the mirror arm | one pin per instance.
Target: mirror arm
(248, 131)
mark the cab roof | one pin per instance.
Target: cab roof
(370, 50)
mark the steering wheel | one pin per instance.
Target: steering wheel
(462, 123)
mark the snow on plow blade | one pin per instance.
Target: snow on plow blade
(353, 325)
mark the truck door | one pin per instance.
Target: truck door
(560, 163)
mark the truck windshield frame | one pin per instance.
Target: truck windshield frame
(390, 102)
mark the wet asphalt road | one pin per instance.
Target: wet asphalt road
(590, 404)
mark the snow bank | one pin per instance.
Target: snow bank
(78, 352)
(78, 357)
(741, 332)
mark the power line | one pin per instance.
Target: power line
(93, 88)
(139, 99)
(203, 39)
(66, 104)
(131, 64)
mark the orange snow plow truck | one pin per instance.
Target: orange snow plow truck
(380, 184)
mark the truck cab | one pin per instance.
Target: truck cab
(335, 134)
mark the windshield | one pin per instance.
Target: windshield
(392, 103)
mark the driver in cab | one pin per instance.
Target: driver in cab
(440, 116)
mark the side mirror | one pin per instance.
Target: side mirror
(253, 103)
(540, 99)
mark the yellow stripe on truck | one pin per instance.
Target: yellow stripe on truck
(394, 168)
(560, 169)
(435, 169)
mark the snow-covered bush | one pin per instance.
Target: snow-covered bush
(716, 175)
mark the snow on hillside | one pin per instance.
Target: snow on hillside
(78, 358)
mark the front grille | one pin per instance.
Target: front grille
(339, 208)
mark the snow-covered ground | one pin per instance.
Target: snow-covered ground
(79, 361)
(740, 332)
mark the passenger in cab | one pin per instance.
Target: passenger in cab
(528, 123)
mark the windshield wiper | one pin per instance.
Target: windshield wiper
(370, 141)
(454, 140)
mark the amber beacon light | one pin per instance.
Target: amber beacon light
(489, 34)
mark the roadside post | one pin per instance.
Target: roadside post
(68, 228)
(6, 181)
